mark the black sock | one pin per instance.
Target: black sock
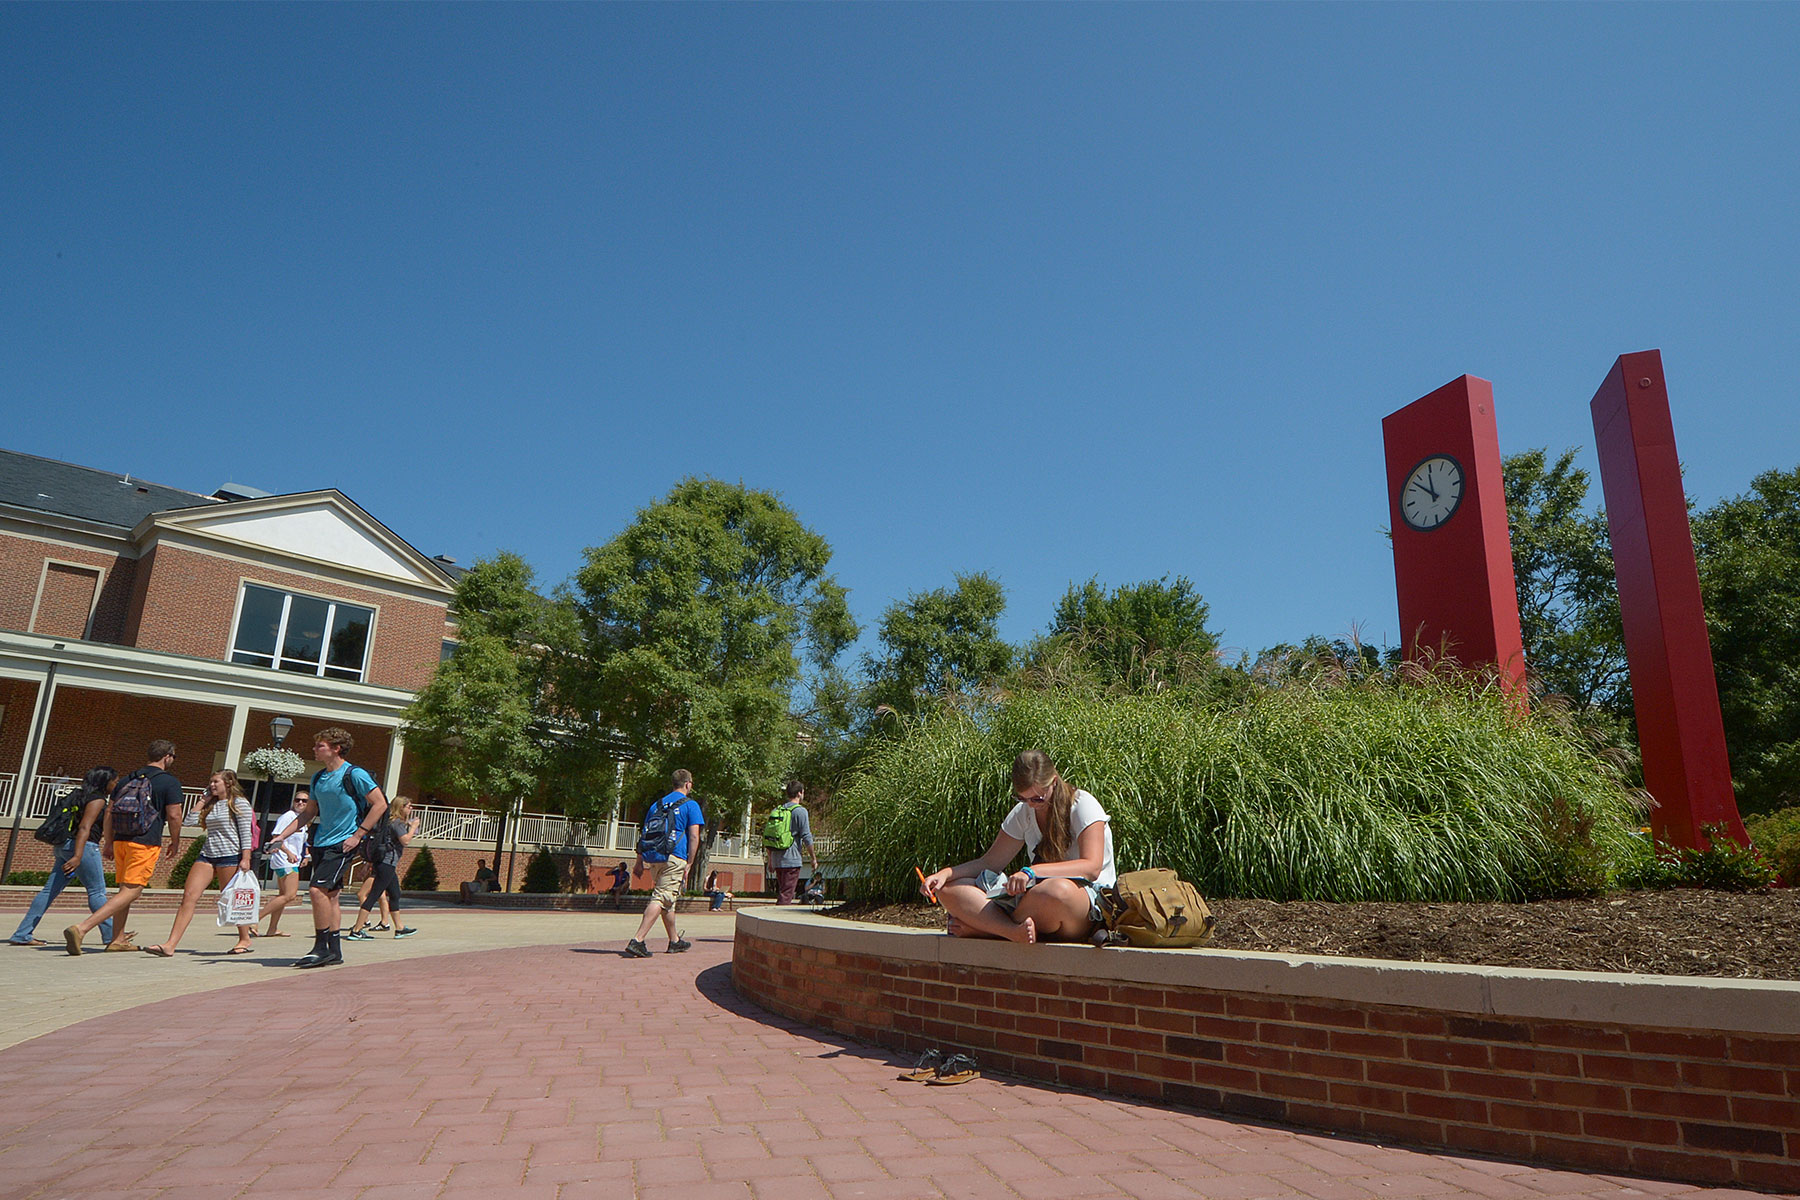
(336, 946)
(320, 941)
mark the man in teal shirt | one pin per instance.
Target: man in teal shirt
(343, 824)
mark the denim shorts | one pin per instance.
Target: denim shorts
(222, 862)
(989, 880)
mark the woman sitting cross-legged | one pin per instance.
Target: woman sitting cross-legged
(1069, 858)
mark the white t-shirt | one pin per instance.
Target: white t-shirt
(293, 843)
(1020, 823)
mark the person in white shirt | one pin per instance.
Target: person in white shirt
(287, 854)
(1068, 843)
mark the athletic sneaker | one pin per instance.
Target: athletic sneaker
(405, 931)
(381, 928)
(359, 935)
(680, 943)
(636, 949)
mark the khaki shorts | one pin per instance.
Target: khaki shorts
(134, 864)
(667, 888)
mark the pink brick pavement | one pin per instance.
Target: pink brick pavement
(565, 1072)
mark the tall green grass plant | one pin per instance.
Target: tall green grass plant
(1346, 789)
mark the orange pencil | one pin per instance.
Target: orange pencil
(921, 876)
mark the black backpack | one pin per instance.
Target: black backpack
(368, 849)
(661, 831)
(134, 807)
(64, 818)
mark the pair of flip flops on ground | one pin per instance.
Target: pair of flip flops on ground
(934, 1067)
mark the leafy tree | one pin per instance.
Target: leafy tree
(1563, 568)
(938, 643)
(690, 627)
(1749, 555)
(1141, 637)
(479, 729)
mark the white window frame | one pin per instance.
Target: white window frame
(287, 607)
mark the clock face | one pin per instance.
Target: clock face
(1432, 492)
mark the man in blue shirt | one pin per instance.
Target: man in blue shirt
(343, 824)
(671, 868)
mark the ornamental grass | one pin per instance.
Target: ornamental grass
(1359, 789)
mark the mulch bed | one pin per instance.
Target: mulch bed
(1731, 935)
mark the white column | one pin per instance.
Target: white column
(234, 741)
(396, 757)
(36, 731)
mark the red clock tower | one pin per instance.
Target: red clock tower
(1452, 557)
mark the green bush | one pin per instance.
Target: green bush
(541, 875)
(1348, 789)
(421, 874)
(178, 876)
(38, 879)
(1778, 837)
(1723, 866)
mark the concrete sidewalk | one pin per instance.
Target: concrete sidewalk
(563, 1070)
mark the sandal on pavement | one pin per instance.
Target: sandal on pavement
(925, 1068)
(122, 946)
(958, 1068)
(159, 951)
(30, 942)
(238, 950)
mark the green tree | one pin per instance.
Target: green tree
(938, 643)
(691, 629)
(1563, 569)
(422, 875)
(479, 729)
(1748, 549)
(1140, 637)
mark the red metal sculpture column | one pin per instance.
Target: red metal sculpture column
(1680, 730)
(1453, 568)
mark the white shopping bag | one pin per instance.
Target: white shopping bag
(241, 901)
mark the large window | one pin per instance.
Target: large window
(301, 633)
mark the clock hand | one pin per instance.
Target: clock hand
(1425, 487)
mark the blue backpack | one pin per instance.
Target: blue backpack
(662, 830)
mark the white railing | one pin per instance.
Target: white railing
(437, 824)
(626, 838)
(8, 788)
(41, 795)
(440, 825)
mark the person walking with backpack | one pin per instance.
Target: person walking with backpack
(386, 846)
(1068, 844)
(227, 818)
(78, 820)
(143, 804)
(785, 831)
(349, 804)
(669, 838)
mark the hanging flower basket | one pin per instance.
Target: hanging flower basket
(272, 763)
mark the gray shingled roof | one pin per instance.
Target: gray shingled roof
(108, 497)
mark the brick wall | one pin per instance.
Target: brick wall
(22, 567)
(90, 728)
(188, 598)
(1707, 1105)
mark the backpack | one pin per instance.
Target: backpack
(661, 831)
(64, 818)
(778, 829)
(134, 807)
(1156, 908)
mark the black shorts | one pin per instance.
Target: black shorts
(329, 866)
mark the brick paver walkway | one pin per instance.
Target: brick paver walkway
(567, 1071)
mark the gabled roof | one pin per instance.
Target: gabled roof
(325, 527)
(104, 497)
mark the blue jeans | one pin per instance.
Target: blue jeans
(91, 874)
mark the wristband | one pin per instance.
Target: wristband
(1031, 874)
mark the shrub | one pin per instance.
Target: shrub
(179, 873)
(1778, 837)
(1347, 789)
(38, 879)
(1724, 866)
(421, 874)
(541, 875)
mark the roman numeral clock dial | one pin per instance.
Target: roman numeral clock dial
(1432, 493)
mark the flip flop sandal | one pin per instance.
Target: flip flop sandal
(925, 1068)
(238, 950)
(958, 1068)
(158, 951)
(32, 942)
(273, 935)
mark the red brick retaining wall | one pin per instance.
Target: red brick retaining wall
(1686, 1079)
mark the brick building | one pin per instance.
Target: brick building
(131, 611)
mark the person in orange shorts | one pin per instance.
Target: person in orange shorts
(142, 804)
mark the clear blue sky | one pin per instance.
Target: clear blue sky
(1051, 291)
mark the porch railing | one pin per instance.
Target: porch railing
(42, 793)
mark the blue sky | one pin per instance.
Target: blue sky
(1048, 291)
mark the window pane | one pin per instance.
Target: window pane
(258, 622)
(349, 638)
(305, 639)
(255, 660)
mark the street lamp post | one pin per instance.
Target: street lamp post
(279, 728)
